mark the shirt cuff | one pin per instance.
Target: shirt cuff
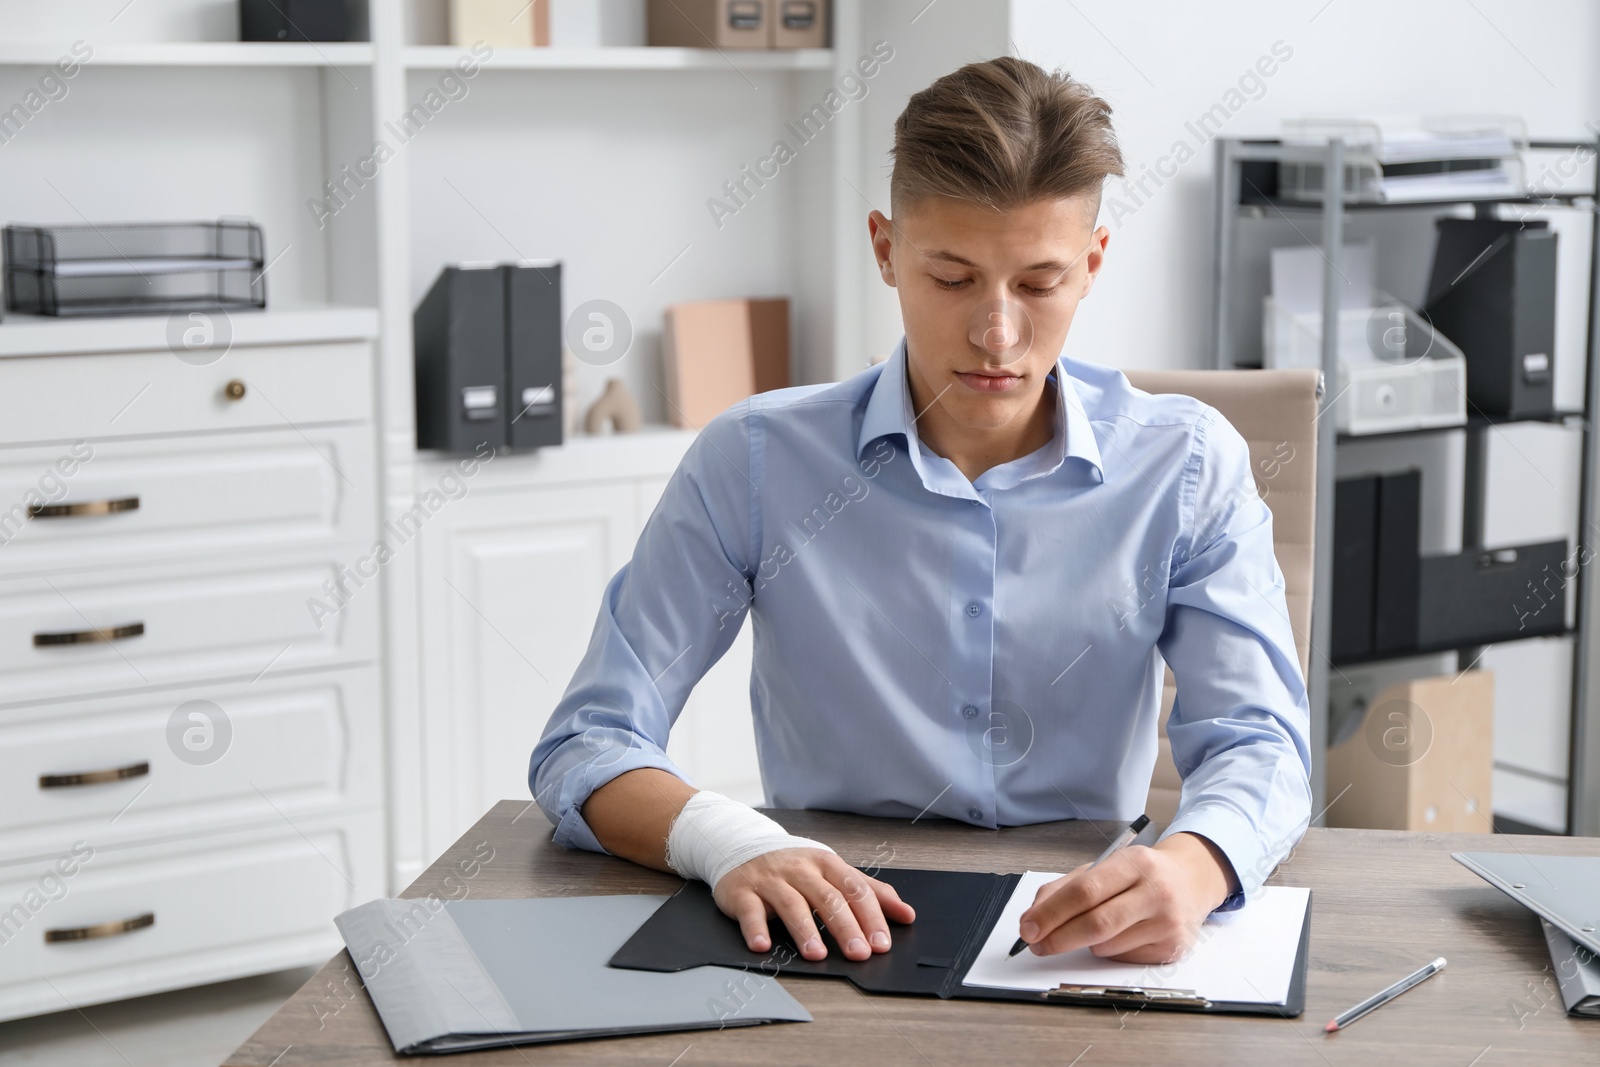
(1238, 841)
(573, 831)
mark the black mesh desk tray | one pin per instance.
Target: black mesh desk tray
(145, 268)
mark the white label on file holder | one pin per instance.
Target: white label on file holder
(538, 396)
(479, 401)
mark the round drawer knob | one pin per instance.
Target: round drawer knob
(234, 390)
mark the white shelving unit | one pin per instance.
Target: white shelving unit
(191, 54)
(602, 157)
(371, 165)
(623, 57)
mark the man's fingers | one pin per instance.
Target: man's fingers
(1077, 895)
(1099, 923)
(751, 912)
(894, 909)
(1157, 939)
(863, 898)
(795, 912)
(837, 915)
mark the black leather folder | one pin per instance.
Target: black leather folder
(956, 910)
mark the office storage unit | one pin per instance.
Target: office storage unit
(1247, 191)
(190, 690)
(477, 166)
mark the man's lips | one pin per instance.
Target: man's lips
(989, 381)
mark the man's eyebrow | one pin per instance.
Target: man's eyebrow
(951, 257)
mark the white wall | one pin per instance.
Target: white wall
(1164, 62)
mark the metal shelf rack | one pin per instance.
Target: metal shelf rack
(1245, 189)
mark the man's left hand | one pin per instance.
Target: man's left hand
(1143, 905)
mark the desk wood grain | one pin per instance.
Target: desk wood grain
(1384, 903)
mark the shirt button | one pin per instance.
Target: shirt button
(974, 609)
(974, 503)
(970, 711)
(974, 813)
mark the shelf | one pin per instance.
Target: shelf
(1412, 653)
(1253, 207)
(193, 54)
(445, 57)
(42, 335)
(1474, 422)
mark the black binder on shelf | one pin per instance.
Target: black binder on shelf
(1493, 292)
(488, 357)
(1395, 596)
(956, 912)
(1355, 524)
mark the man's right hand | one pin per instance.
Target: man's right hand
(799, 885)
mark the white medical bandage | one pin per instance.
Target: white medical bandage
(714, 834)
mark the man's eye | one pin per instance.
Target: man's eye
(1037, 290)
(947, 283)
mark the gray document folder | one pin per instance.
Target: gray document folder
(452, 975)
(1577, 970)
(1563, 889)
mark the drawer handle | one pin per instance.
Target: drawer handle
(113, 774)
(234, 390)
(89, 637)
(90, 933)
(87, 507)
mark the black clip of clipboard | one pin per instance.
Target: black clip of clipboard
(1126, 996)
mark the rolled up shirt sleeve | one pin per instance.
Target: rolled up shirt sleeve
(1241, 720)
(665, 618)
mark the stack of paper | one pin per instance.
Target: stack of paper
(1411, 158)
(1246, 955)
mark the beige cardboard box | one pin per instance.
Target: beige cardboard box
(1422, 759)
(717, 352)
(710, 23)
(799, 24)
(500, 23)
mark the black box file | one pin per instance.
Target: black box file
(1355, 525)
(488, 358)
(1486, 595)
(1493, 292)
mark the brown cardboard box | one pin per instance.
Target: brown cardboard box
(799, 24)
(717, 352)
(1422, 759)
(500, 23)
(710, 23)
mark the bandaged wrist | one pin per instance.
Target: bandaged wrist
(714, 834)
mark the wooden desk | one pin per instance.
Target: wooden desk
(1384, 903)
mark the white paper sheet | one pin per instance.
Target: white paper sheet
(1246, 955)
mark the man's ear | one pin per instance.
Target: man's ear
(1095, 258)
(881, 232)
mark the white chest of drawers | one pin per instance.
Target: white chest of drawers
(191, 734)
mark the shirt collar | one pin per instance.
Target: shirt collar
(889, 412)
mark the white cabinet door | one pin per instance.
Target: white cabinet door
(510, 585)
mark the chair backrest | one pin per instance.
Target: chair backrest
(1275, 411)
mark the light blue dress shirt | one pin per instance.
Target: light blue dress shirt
(987, 651)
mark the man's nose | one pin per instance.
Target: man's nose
(998, 327)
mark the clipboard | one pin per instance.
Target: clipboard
(956, 910)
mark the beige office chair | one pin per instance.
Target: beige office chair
(1275, 411)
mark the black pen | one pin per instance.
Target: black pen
(1123, 840)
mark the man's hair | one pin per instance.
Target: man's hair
(1003, 133)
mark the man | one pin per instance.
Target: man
(964, 568)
